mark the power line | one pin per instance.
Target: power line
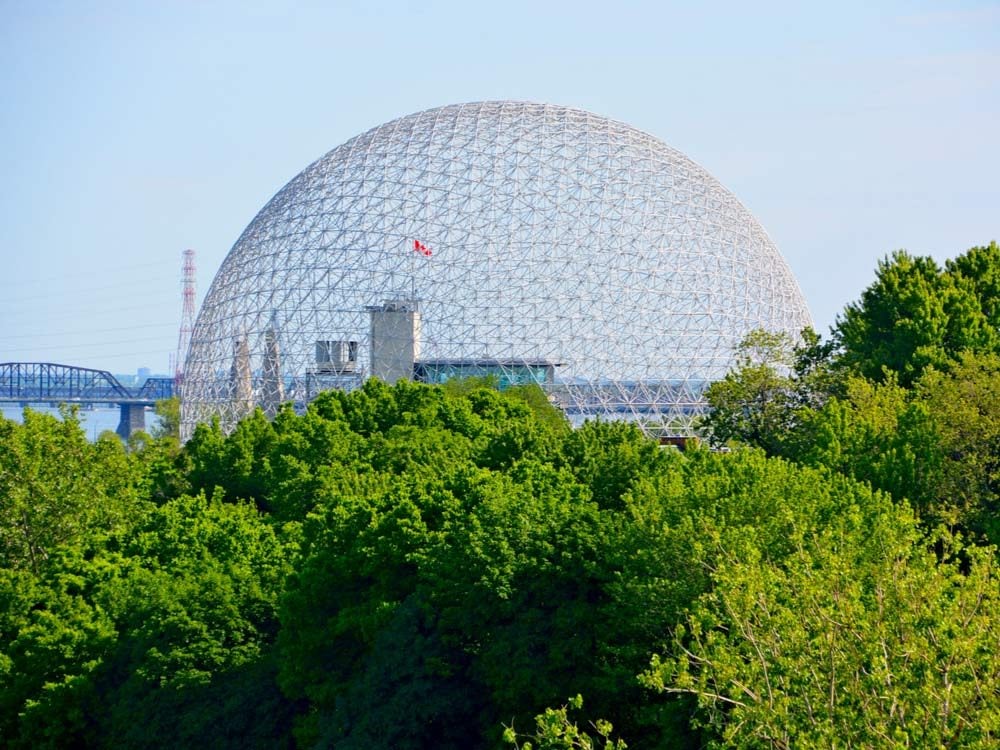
(82, 290)
(86, 332)
(87, 345)
(53, 277)
(150, 302)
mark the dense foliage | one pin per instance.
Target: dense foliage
(416, 566)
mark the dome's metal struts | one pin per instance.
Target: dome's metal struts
(527, 241)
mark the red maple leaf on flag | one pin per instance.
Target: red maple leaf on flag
(420, 247)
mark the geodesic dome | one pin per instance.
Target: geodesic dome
(530, 242)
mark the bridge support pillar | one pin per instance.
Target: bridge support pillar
(133, 418)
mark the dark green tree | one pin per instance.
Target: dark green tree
(913, 316)
(980, 266)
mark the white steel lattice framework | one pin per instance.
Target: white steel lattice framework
(526, 234)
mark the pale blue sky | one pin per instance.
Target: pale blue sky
(133, 130)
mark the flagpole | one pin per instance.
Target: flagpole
(418, 247)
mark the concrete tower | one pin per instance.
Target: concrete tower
(395, 339)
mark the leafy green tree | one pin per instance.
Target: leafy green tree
(913, 316)
(753, 403)
(555, 731)
(195, 605)
(877, 433)
(545, 411)
(774, 386)
(609, 458)
(310, 455)
(774, 382)
(723, 502)
(815, 370)
(56, 487)
(874, 642)
(526, 567)
(981, 267)
(169, 412)
(964, 405)
(348, 592)
(236, 463)
(135, 638)
(455, 570)
(51, 650)
(936, 444)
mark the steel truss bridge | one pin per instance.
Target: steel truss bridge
(47, 383)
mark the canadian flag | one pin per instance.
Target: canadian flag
(420, 247)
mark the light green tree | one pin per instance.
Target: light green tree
(169, 412)
(56, 487)
(753, 404)
(554, 730)
(964, 404)
(847, 642)
(878, 433)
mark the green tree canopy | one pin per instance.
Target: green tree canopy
(57, 488)
(873, 642)
(963, 405)
(917, 315)
(410, 566)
